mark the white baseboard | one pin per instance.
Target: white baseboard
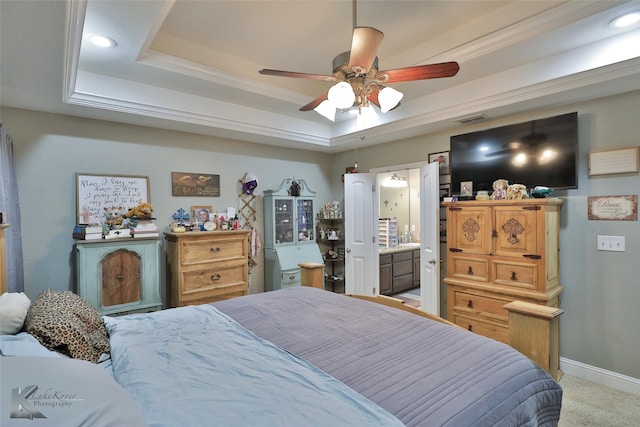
(600, 376)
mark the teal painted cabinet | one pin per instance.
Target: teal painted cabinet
(289, 223)
(119, 276)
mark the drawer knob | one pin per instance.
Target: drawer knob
(470, 304)
(121, 277)
(216, 249)
(292, 278)
(470, 271)
(514, 277)
(215, 277)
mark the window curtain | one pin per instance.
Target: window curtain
(10, 205)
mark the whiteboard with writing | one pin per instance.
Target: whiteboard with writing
(94, 193)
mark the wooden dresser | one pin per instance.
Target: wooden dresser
(206, 266)
(499, 251)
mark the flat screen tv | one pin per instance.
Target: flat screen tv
(541, 152)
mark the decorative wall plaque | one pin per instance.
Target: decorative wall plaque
(613, 208)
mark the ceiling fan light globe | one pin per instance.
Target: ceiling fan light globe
(326, 109)
(341, 95)
(389, 98)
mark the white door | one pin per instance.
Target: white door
(361, 251)
(430, 238)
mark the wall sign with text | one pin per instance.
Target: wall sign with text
(613, 208)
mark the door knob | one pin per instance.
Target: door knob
(348, 249)
(432, 261)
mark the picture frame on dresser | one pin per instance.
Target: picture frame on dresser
(197, 210)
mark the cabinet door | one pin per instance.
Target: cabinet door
(283, 218)
(385, 278)
(120, 278)
(515, 231)
(469, 229)
(305, 220)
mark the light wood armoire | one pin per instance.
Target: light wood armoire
(500, 251)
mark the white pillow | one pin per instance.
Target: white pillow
(13, 310)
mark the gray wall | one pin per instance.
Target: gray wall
(49, 149)
(601, 289)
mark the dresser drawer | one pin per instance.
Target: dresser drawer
(480, 305)
(402, 283)
(402, 256)
(402, 267)
(212, 295)
(469, 268)
(206, 251)
(212, 278)
(522, 275)
(471, 323)
(290, 278)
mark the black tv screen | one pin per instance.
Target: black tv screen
(541, 152)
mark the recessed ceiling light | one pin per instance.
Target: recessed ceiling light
(103, 41)
(625, 20)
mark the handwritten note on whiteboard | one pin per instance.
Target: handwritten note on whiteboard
(94, 193)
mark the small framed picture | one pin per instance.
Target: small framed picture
(466, 188)
(443, 160)
(445, 191)
(200, 214)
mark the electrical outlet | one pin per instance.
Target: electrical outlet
(611, 243)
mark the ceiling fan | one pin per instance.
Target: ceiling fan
(358, 79)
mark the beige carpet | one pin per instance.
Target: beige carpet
(587, 404)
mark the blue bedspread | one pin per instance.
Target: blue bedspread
(195, 366)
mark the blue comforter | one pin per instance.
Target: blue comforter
(195, 366)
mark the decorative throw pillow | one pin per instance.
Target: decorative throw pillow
(13, 310)
(66, 323)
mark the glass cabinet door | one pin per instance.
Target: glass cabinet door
(283, 217)
(305, 220)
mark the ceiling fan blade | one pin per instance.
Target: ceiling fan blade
(364, 48)
(419, 72)
(313, 104)
(281, 73)
(373, 98)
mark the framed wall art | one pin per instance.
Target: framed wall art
(195, 184)
(613, 208)
(443, 159)
(96, 192)
(615, 161)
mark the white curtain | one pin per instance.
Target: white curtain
(10, 205)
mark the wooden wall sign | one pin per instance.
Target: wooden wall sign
(615, 161)
(195, 184)
(613, 208)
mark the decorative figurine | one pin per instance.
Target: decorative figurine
(517, 192)
(499, 189)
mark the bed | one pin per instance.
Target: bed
(307, 357)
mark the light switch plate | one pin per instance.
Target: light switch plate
(611, 243)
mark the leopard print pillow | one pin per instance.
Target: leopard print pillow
(66, 323)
